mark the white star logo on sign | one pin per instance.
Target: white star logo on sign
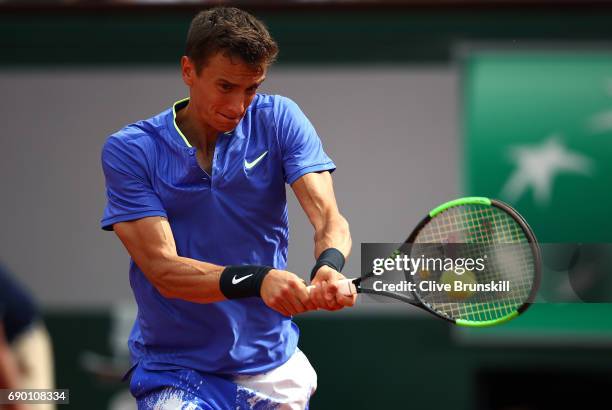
(538, 165)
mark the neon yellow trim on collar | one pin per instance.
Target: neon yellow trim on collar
(174, 120)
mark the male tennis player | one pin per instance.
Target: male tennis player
(197, 196)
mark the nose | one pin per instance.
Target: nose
(235, 107)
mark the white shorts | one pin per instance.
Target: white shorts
(289, 385)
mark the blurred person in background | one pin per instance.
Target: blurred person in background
(26, 357)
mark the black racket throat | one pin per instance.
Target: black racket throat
(401, 298)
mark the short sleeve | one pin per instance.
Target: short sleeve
(302, 151)
(129, 191)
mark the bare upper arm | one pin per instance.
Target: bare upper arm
(148, 241)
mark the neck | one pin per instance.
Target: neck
(199, 134)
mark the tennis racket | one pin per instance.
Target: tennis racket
(476, 225)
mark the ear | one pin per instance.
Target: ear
(188, 71)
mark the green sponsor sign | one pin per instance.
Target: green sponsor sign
(537, 129)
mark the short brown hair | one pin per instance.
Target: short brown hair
(233, 32)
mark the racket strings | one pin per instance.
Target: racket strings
(482, 230)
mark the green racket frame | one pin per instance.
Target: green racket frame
(417, 301)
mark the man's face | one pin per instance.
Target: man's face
(222, 90)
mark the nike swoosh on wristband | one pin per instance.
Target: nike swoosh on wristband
(236, 281)
(249, 165)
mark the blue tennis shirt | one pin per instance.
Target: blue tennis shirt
(237, 215)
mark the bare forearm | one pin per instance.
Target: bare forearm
(9, 373)
(9, 370)
(9, 376)
(316, 195)
(187, 279)
(333, 233)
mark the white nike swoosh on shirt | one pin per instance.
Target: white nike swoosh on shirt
(249, 165)
(236, 281)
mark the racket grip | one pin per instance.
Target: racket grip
(346, 287)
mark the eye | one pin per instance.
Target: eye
(225, 87)
(253, 89)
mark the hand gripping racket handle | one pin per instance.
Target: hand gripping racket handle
(346, 287)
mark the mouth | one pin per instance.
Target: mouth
(228, 118)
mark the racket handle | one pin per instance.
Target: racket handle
(346, 287)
